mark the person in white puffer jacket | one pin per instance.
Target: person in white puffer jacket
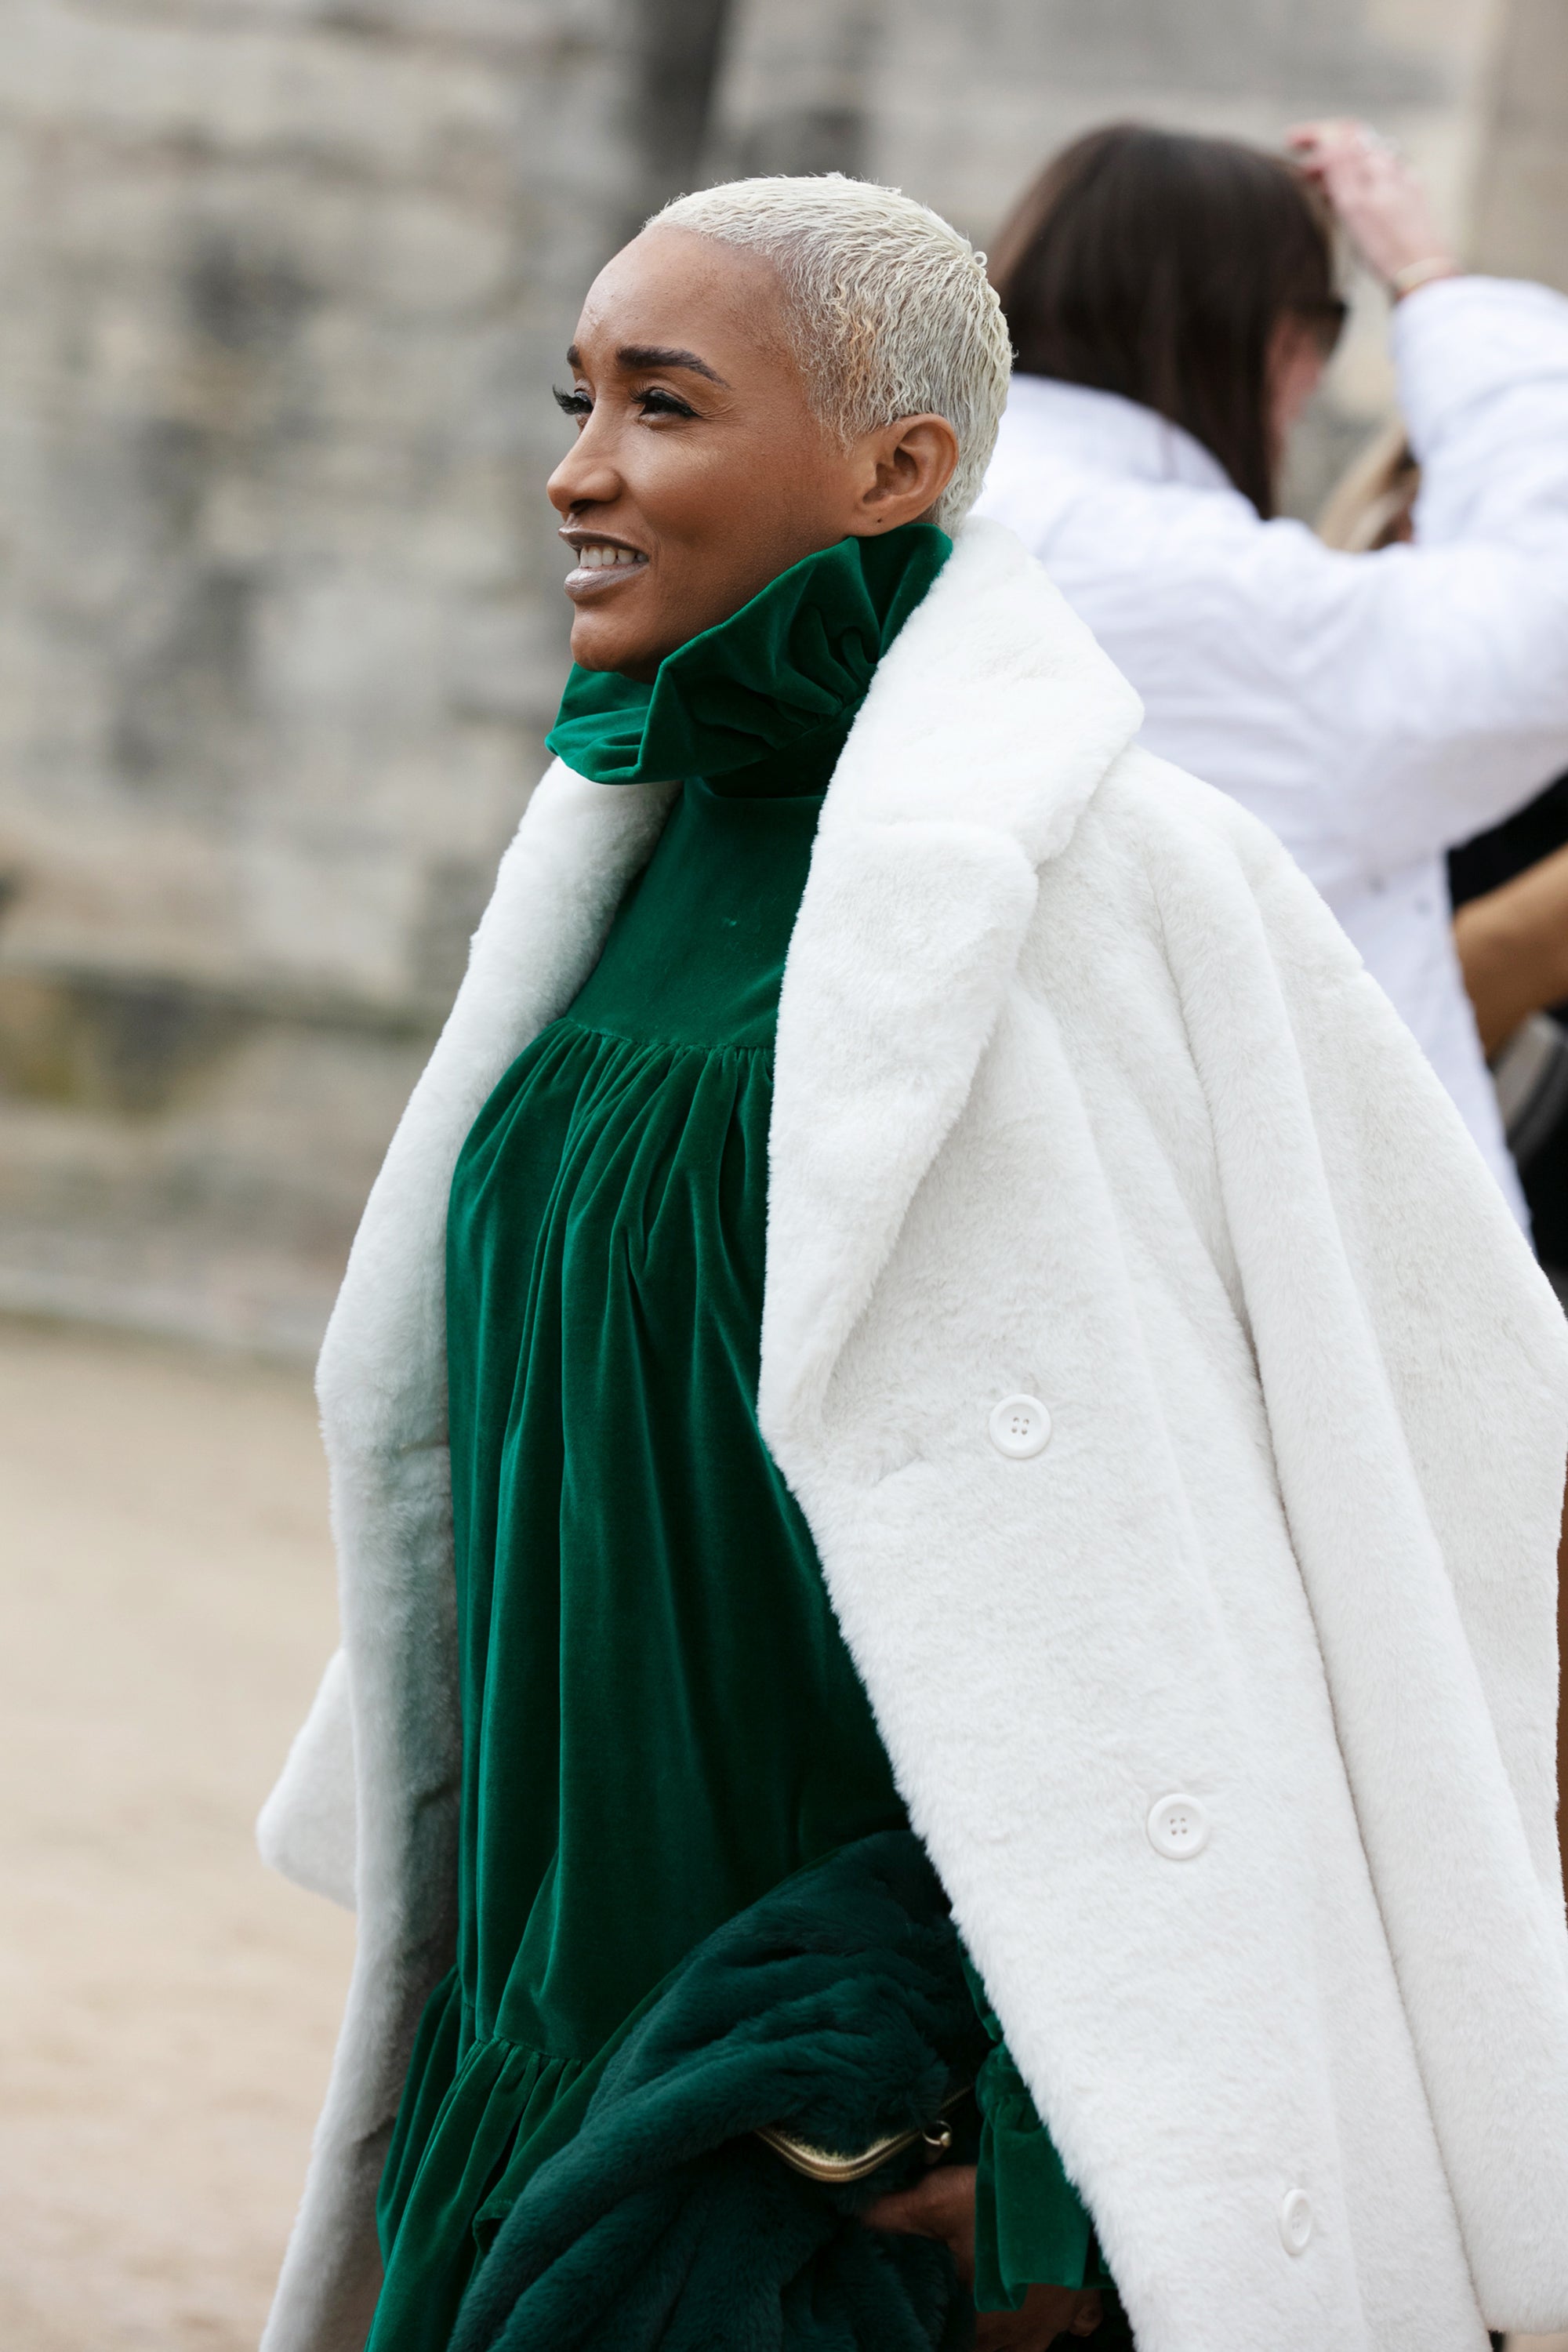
(1172, 303)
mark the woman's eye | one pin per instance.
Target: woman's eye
(663, 404)
(574, 402)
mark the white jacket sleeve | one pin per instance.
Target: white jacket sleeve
(1483, 378)
(1464, 668)
(1420, 693)
(1371, 709)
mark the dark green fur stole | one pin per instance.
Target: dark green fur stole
(837, 2007)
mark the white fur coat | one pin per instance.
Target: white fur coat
(1081, 1096)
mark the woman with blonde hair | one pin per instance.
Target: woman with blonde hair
(934, 1564)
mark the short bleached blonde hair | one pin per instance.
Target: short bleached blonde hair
(891, 310)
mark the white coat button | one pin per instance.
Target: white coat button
(1295, 2222)
(1020, 1426)
(1178, 1828)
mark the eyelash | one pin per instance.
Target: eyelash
(653, 403)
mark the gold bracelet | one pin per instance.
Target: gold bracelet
(1421, 273)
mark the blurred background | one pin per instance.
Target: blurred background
(283, 288)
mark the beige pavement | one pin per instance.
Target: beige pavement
(166, 2005)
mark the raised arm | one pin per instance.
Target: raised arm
(1468, 632)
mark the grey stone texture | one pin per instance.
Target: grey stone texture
(284, 285)
(1521, 209)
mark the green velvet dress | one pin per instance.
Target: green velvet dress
(660, 1718)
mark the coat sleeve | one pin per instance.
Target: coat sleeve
(1413, 1366)
(1414, 1357)
(1421, 692)
(1483, 384)
(1455, 650)
(1371, 709)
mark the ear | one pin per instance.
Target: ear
(901, 472)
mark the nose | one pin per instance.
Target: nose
(587, 474)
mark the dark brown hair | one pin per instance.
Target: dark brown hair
(1157, 264)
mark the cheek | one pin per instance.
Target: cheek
(702, 492)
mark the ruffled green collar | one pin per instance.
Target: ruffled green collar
(767, 698)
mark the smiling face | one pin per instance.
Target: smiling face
(700, 470)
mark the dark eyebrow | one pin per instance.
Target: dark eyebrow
(636, 358)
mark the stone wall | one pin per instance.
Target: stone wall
(285, 283)
(283, 289)
(1520, 225)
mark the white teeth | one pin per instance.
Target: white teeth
(600, 558)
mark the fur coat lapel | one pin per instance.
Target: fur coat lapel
(989, 724)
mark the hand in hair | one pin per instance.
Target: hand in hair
(1384, 210)
(942, 2206)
